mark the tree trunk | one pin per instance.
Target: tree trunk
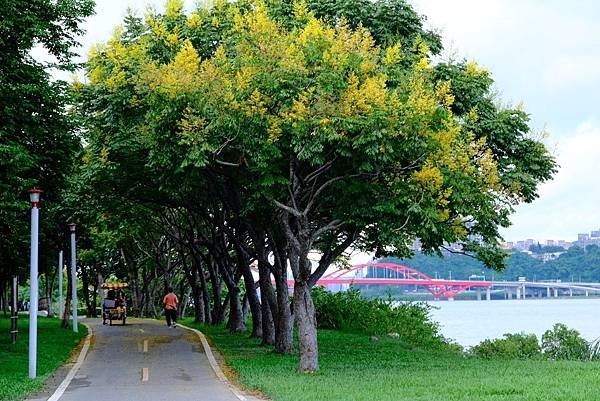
(284, 343)
(95, 296)
(268, 325)
(14, 322)
(85, 289)
(153, 294)
(245, 308)
(304, 310)
(218, 312)
(133, 278)
(185, 300)
(236, 322)
(266, 294)
(49, 295)
(67, 308)
(3, 298)
(195, 286)
(198, 302)
(255, 307)
(205, 297)
(66, 314)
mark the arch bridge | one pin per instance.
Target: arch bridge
(397, 274)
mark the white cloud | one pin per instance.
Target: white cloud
(570, 203)
(572, 72)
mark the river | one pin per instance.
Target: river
(470, 322)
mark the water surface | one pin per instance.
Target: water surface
(470, 322)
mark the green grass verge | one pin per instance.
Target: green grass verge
(353, 368)
(54, 347)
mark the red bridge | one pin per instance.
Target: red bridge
(400, 275)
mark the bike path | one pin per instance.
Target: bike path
(145, 360)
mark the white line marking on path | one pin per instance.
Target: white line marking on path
(213, 363)
(145, 345)
(145, 374)
(65, 383)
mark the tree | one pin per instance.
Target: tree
(307, 136)
(37, 140)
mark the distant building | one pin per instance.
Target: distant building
(525, 245)
(508, 245)
(583, 237)
(416, 246)
(563, 244)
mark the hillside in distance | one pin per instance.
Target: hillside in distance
(575, 264)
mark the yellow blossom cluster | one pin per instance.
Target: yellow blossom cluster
(393, 54)
(361, 98)
(177, 77)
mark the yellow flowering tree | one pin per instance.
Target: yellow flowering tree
(318, 133)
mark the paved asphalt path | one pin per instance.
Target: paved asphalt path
(145, 360)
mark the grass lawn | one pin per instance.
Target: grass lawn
(54, 347)
(353, 368)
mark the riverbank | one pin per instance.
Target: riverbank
(353, 368)
(54, 347)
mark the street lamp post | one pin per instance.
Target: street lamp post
(72, 227)
(34, 197)
(60, 285)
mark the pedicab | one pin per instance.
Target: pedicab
(114, 306)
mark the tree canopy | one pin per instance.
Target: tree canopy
(38, 145)
(282, 128)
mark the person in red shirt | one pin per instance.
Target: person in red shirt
(170, 301)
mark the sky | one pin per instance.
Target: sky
(543, 54)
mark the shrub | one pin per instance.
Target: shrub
(349, 311)
(594, 350)
(564, 343)
(515, 346)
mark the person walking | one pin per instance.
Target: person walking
(170, 301)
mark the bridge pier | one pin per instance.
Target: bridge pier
(518, 292)
(478, 291)
(570, 292)
(547, 292)
(509, 292)
(556, 293)
(524, 292)
(488, 294)
(587, 294)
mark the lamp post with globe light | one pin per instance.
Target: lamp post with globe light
(72, 228)
(34, 198)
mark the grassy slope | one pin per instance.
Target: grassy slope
(54, 346)
(353, 368)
